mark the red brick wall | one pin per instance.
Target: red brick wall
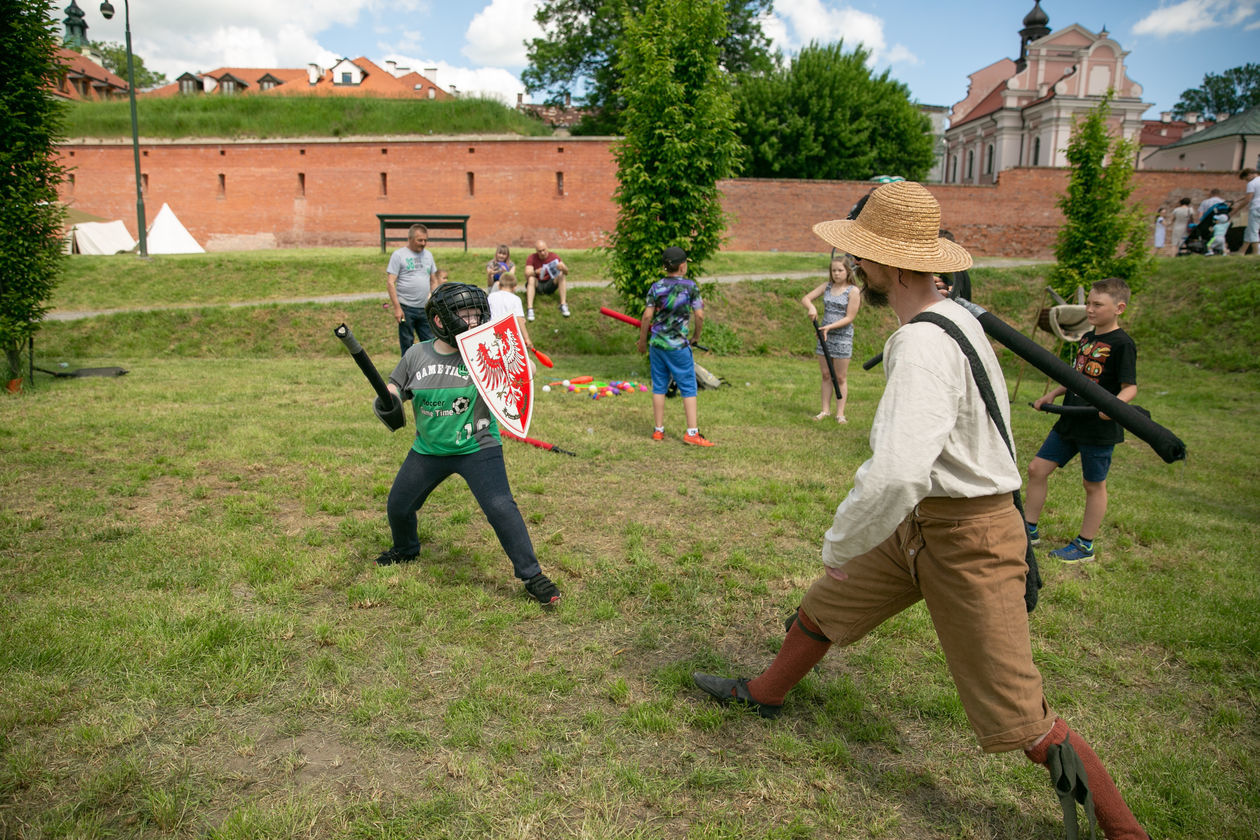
(515, 198)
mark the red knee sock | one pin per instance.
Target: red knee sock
(799, 653)
(1113, 815)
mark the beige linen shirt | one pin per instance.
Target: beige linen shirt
(932, 435)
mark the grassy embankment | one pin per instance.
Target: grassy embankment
(193, 645)
(269, 117)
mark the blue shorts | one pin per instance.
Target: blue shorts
(1095, 460)
(673, 363)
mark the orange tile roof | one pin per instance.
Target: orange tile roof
(296, 80)
(249, 75)
(992, 102)
(1160, 133)
(376, 82)
(79, 66)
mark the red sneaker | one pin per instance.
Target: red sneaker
(658, 435)
(697, 440)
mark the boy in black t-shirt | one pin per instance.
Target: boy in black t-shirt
(1108, 356)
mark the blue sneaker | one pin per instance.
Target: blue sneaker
(1074, 552)
(1034, 537)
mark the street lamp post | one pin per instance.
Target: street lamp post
(107, 11)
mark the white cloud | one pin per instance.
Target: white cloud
(497, 34)
(900, 54)
(794, 23)
(177, 37)
(1190, 16)
(493, 82)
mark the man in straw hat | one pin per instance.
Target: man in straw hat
(931, 516)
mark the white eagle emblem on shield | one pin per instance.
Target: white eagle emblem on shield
(495, 355)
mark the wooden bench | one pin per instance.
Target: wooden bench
(403, 221)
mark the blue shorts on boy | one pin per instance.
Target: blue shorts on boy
(676, 364)
(1110, 360)
(672, 300)
(1095, 460)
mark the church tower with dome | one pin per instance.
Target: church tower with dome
(1019, 112)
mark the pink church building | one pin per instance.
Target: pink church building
(1020, 112)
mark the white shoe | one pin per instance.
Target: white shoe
(529, 316)
(564, 309)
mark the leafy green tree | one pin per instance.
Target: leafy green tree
(826, 116)
(30, 213)
(115, 61)
(1104, 236)
(679, 141)
(582, 42)
(1235, 90)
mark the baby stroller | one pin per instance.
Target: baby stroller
(1198, 235)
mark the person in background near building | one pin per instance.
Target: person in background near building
(1161, 229)
(841, 299)
(1182, 219)
(1220, 227)
(932, 517)
(954, 284)
(1251, 238)
(545, 273)
(499, 266)
(1213, 199)
(409, 280)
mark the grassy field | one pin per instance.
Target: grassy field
(194, 642)
(124, 282)
(267, 117)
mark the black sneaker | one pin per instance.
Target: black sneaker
(726, 690)
(543, 590)
(390, 557)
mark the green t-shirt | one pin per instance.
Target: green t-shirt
(451, 417)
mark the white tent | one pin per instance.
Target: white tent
(101, 238)
(167, 235)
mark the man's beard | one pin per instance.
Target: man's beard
(869, 294)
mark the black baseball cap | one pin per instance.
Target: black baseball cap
(673, 257)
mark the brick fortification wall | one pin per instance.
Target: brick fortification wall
(321, 192)
(258, 194)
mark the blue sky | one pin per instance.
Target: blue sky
(476, 45)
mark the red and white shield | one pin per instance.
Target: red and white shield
(495, 355)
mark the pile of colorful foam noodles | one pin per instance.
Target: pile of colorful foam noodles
(588, 386)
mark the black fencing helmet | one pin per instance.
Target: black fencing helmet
(444, 304)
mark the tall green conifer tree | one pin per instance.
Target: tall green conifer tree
(30, 213)
(1104, 236)
(679, 141)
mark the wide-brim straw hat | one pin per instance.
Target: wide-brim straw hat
(900, 227)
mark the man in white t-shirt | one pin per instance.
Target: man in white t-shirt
(409, 279)
(1251, 238)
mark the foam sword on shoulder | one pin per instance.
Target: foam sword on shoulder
(1166, 444)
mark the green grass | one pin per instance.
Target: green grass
(297, 116)
(125, 282)
(193, 644)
